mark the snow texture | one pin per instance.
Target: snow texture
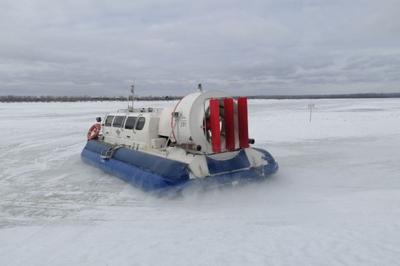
(334, 201)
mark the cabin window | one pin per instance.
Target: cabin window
(130, 122)
(140, 123)
(109, 120)
(119, 121)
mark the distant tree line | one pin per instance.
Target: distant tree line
(13, 98)
(329, 96)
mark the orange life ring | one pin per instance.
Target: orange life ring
(94, 131)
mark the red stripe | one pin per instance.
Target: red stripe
(229, 124)
(215, 127)
(243, 123)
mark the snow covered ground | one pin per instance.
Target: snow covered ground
(334, 201)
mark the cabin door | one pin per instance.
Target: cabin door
(127, 135)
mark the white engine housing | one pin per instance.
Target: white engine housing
(185, 126)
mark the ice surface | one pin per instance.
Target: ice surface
(334, 201)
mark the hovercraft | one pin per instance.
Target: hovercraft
(203, 137)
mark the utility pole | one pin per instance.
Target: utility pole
(311, 106)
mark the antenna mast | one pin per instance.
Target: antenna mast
(132, 96)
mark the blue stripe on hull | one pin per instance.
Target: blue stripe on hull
(241, 176)
(171, 170)
(129, 173)
(240, 161)
(146, 171)
(151, 172)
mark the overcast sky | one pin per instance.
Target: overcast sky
(97, 47)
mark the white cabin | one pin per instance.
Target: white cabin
(137, 129)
